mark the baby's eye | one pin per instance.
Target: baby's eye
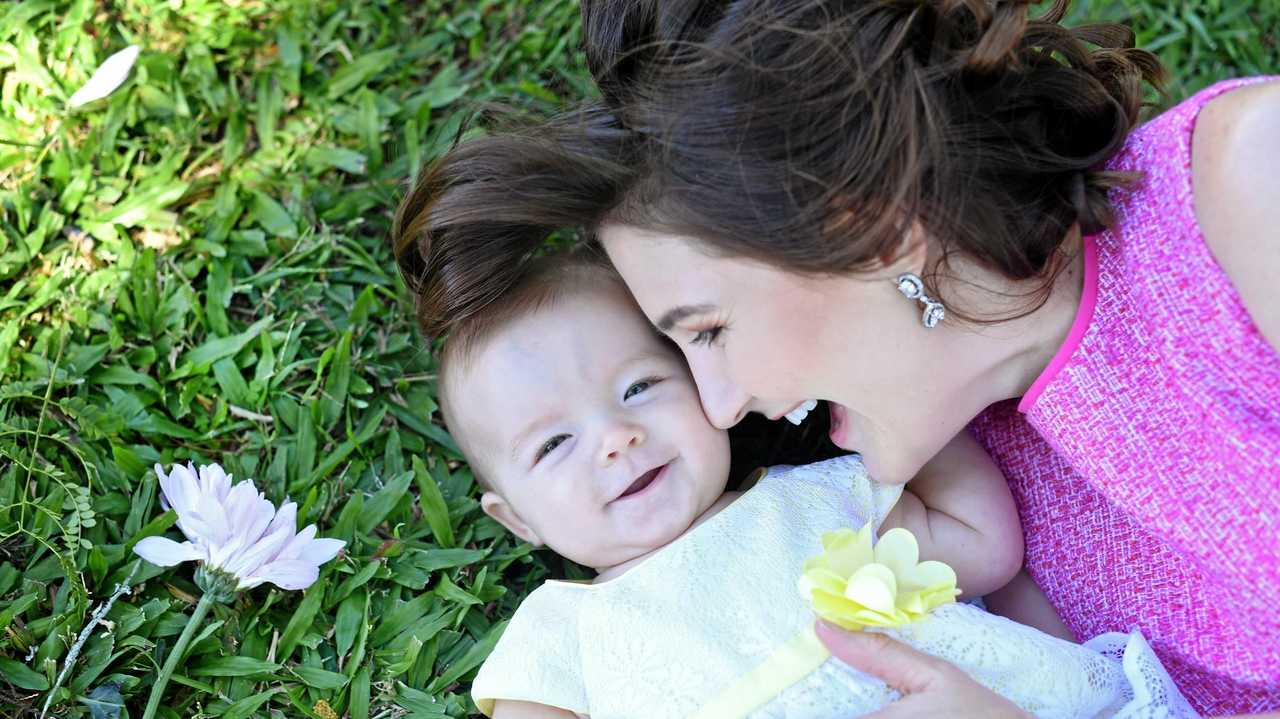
(548, 446)
(708, 336)
(638, 387)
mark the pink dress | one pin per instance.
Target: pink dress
(1146, 459)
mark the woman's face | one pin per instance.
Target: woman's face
(759, 339)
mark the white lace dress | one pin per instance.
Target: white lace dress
(688, 631)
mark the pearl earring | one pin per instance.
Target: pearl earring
(912, 287)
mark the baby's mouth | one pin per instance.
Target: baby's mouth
(643, 482)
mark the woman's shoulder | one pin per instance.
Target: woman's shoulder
(1235, 173)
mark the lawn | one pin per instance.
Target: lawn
(197, 268)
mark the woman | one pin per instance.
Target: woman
(919, 212)
(842, 146)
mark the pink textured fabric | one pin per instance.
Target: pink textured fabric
(1147, 470)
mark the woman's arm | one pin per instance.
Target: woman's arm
(1235, 176)
(509, 709)
(961, 512)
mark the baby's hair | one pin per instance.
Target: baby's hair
(535, 285)
(463, 233)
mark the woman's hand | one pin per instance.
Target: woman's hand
(930, 686)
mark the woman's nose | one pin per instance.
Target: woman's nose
(618, 440)
(723, 407)
(724, 403)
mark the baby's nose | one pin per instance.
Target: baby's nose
(618, 441)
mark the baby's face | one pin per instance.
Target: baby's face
(590, 429)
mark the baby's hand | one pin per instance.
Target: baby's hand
(961, 512)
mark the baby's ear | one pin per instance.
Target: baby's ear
(495, 506)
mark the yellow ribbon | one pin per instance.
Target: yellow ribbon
(789, 664)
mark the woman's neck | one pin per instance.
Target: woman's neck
(991, 363)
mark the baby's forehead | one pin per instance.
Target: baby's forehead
(546, 353)
(581, 338)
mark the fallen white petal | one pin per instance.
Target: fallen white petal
(166, 552)
(110, 75)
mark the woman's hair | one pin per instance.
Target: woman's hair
(812, 134)
(808, 134)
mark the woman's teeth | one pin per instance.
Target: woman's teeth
(797, 415)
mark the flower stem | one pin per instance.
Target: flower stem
(175, 654)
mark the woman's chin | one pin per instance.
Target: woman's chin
(844, 435)
(840, 433)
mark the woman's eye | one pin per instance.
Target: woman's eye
(638, 387)
(548, 446)
(708, 336)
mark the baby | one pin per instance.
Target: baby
(585, 430)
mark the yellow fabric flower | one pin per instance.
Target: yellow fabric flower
(855, 585)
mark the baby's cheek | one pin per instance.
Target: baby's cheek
(585, 540)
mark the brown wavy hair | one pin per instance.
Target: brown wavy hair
(477, 215)
(809, 134)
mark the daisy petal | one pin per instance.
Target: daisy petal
(182, 489)
(285, 573)
(286, 516)
(254, 519)
(294, 548)
(248, 561)
(215, 480)
(319, 551)
(166, 552)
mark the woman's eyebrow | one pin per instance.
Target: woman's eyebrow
(675, 314)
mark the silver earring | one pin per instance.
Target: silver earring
(912, 287)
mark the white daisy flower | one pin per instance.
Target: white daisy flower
(237, 535)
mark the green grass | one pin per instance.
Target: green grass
(197, 268)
